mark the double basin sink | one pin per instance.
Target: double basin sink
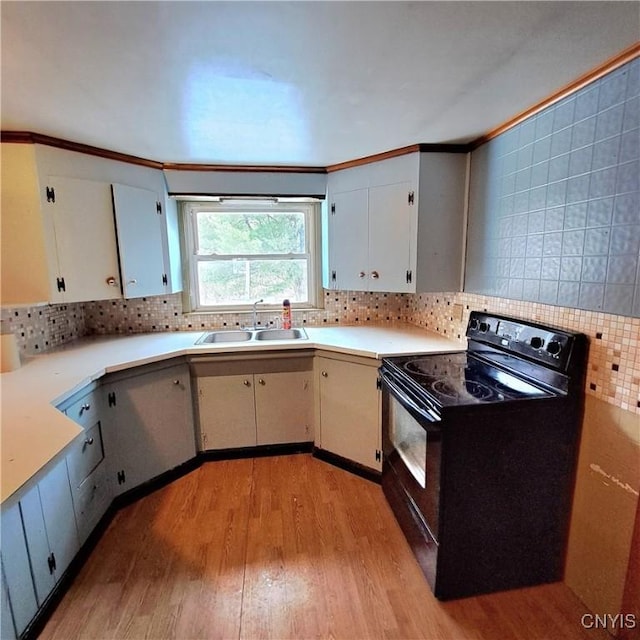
(244, 335)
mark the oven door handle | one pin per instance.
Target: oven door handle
(404, 398)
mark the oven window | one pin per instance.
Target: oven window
(409, 440)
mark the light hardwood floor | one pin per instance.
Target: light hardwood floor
(282, 547)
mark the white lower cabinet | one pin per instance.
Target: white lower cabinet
(50, 528)
(19, 594)
(86, 462)
(348, 407)
(244, 403)
(148, 426)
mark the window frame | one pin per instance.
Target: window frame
(189, 208)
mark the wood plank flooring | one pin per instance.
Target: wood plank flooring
(282, 547)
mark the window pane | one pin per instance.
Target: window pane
(234, 282)
(231, 232)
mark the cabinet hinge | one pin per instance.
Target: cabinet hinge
(378, 455)
(51, 194)
(51, 562)
(61, 284)
(159, 208)
(411, 197)
(409, 276)
(111, 398)
(333, 276)
(378, 383)
(121, 477)
(333, 208)
(165, 280)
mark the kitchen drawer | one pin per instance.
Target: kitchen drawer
(85, 410)
(91, 501)
(86, 454)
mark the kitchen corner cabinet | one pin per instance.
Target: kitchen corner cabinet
(349, 409)
(148, 423)
(249, 402)
(397, 225)
(59, 237)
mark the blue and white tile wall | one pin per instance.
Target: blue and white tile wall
(555, 203)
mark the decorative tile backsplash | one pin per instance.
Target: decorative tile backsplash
(614, 354)
(40, 328)
(165, 313)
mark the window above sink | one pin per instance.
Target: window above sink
(239, 250)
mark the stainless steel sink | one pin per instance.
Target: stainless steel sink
(231, 335)
(281, 334)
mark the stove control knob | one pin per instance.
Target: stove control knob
(554, 348)
(536, 342)
(474, 324)
(484, 327)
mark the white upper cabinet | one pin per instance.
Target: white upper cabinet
(397, 225)
(86, 265)
(59, 241)
(139, 220)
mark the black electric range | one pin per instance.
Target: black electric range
(479, 453)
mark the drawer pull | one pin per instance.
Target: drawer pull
(89, 441)
(176, 382)
(262, 382)
(325, 374)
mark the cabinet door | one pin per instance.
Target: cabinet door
(150, 425)
(348, 239)
(350, 411)
(59, 517)
(16, 570)
(50, 528)
(6, 617)
(391, 224)
(284, 404)
(85, 240)
(227, 412)
(140, 241)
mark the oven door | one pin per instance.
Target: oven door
(411, 437)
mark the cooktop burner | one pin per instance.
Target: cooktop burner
(461, 378)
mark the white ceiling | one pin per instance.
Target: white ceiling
(299, 83)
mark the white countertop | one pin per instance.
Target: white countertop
(34, 433)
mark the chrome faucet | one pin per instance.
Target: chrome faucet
(255, 312)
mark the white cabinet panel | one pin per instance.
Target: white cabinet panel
(227, 412)
(16, 571)
(50, 528)
(140, 241)
(349, 403)
(148, 426)
(38, 544)
(349, 250)
(85, 239)
(284, 407)
(391, 221)
(7, 629)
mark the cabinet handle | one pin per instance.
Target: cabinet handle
(375, 275)
(112, 282)
(89, 441)
(325, 374)
(262, 382)
(85, 407)
(362, 274)
(134, 281)
(176, 382)
(246, 383)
